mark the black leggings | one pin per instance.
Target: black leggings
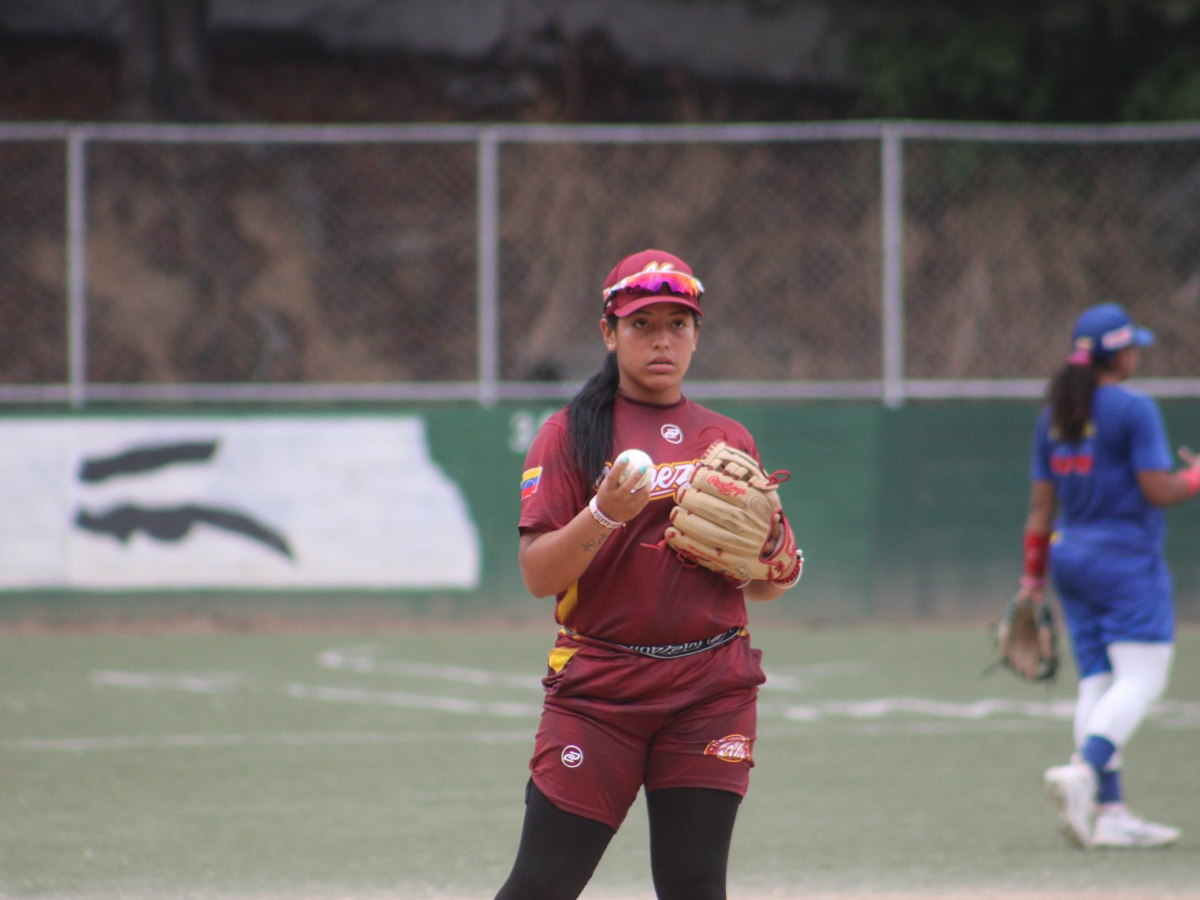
(690, 831)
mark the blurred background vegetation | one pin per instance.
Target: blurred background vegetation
(1025, 60)
(572, 60)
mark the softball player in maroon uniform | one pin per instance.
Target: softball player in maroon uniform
(652, 681)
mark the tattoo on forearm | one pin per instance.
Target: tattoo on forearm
(595, 543)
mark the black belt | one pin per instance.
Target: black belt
(670, 651)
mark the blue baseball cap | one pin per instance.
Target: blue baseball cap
(1107, 328)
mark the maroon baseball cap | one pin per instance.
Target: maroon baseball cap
(651, 276)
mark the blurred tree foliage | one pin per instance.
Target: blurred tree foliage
(1024, 60)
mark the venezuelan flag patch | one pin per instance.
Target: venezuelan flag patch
(529, 481)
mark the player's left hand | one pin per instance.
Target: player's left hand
(728, 518)
(774, 537)
(1032, 589)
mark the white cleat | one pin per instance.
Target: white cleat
(1121, 828)
(1073, 789)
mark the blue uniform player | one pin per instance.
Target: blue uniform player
(1101, 477)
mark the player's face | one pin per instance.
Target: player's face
(1128, 360)
(1135, 360)
(654, 348)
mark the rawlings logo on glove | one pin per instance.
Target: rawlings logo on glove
(725, 488)
(723, 520)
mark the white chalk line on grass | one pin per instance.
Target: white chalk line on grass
(459, 705)
(778, 716)
(79, 745)
(191, 682)
(1171, 714)
(363, 660)
(301, 739)
(882, 706)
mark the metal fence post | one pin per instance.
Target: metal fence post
(76, 255)
(892, 172)
(489, 267)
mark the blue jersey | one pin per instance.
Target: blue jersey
(1095, 480)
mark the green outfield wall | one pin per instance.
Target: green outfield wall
(903, 513)
(915, 512)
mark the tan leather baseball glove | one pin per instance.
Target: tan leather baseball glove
(1027, 639)
(723, 519)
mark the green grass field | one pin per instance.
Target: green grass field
(355, 765)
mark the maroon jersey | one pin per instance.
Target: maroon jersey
(636, 591)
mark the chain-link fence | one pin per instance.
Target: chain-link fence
(885, 260)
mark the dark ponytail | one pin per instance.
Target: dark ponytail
(1070, 396)
(1070, 399)
(590, 420)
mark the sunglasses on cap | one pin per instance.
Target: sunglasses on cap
(665, 281)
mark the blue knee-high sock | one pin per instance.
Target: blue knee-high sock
(1110, 787)
(1096, 752)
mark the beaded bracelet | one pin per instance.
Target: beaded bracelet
(786, 583)
(795, 577)
(601, 517)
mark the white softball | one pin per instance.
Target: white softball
(638, 458)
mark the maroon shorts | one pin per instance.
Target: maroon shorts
(614, 721)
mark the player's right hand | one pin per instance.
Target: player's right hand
(618, 501)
